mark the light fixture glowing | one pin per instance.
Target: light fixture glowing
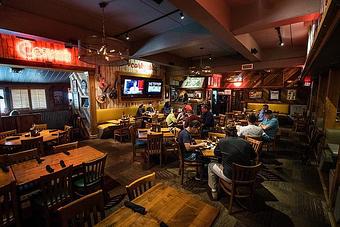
(127, 37)
(282, 44)
(182, 15)
(237, 84)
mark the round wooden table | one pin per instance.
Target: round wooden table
(48, 135)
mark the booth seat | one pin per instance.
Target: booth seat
(328, 159)
(332, 136)
(281, 108)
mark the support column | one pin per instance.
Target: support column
(93, 112)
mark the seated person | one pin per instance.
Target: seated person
(140, 110)
(251, 129)
(150, 108)
(270, 126)
(207, 119)
(261, 114)
(171, 119)
(186, 142)
(167, 108)
(232, 150)
(190, 116)
(182, 115)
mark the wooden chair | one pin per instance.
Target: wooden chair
(92, 177)
(37, 142)
(63, 137)
(56, 191)
(22, 156)
(40, 127)
(65, 147)
(9, 215)
(214, 136)
(68, 128)
(184, 164)
(176, 131)
(140, 186)
(122, 131)
(3, 135)
(154, 147)
(242, 183)
(86, 211)
(257, 145)
(221, 120)
(136, 144)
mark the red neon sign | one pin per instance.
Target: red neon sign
(26, 50)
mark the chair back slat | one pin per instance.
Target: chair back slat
(132, 130)
(7, 133)
(154, 143)
(65, 147)
(84, 211)
(22, 156)
(56, 188)
(37, 142)
(244, 175)
(140, 186)
(8, 205)
(94, 172)
(64, 137)
(257, 146)
(40, 127)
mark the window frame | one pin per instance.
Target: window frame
(28, 94)
(31, 102)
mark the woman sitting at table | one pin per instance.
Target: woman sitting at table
(232, 150)
(251, 129)
(171, 119)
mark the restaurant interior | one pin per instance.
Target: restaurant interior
(170, 113)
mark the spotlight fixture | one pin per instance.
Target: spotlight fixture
(127, 37)
(182, 15)
(281, 43)
(253, 51)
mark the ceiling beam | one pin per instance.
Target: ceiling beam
(185, 36)
(215, 16)
(262, 14)
(282, 63)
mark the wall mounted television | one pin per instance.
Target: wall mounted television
(154, 87)
(133, 86)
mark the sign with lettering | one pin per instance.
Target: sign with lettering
(139, 67)
(27, 50)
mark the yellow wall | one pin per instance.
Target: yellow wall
(281, 108)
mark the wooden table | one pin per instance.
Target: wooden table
(167, 204)
(29, 171)
(46, 134)
(6, 177)
(143, 133)
(209, 152)
(117, 122)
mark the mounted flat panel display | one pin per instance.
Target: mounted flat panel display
(193, 83)
(154, 87)
(133, 86)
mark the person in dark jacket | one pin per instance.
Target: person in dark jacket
(231, 150)
(207, 119)
(140, 110)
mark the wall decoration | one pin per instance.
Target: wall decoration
(253, 94)
(58, 97)
(74, 85)
(291, 94)
(274, 95)
(83, 86)
(236, 78)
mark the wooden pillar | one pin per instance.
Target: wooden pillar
(332, 98)
(93, 112)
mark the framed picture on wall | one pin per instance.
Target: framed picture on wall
(58, 97)
(253, 94)
(274, 95)
(74, 85)
(291, 94)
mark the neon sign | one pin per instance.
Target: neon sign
(26, 50)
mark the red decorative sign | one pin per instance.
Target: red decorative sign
(214, 81)
(26, 50)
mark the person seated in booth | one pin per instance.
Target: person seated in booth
(270, 126)
(140, 111)
(207, 119)
(251, 129)
(167, 108)
(150, 108)
(183, 114)
(171, 119)
(231, 150)
(261, 114)
(187, 143)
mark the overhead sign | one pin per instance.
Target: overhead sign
(138, 67)
(247, 66)
(28, 51)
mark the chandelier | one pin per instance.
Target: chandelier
(103, 50)
(201, 70)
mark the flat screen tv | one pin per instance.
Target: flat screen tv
(154, 87)
(133, 86)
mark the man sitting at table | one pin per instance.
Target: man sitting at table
(251, 129)
(140, 110)
(186, 142)
(183, 114)
(207, 121)
(261, 114)
(270, 126)
(171, 119)
(150, 108)
(232, 150)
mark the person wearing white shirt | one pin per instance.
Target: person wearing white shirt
(251, 129)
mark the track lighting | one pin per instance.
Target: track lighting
(127, 37)
(182, 15)
(281, 43)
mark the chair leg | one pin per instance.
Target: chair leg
(231, 203)
(182, 175)
(160, 159)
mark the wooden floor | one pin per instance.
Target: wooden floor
(290, 195)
